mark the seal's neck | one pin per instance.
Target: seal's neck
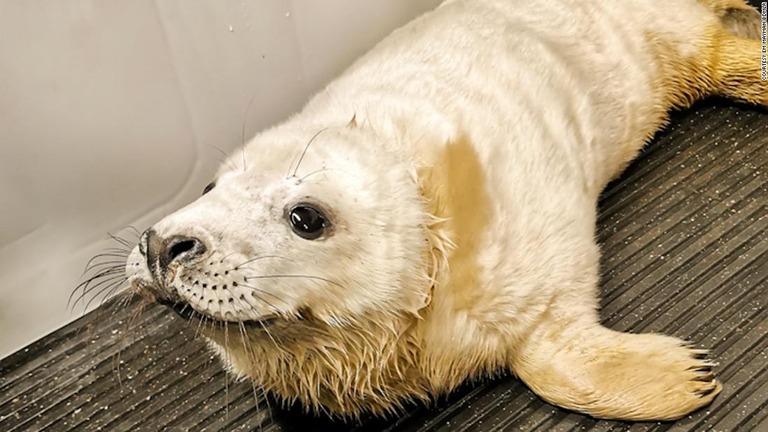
(368, 366)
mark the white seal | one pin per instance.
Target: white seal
(430, 216)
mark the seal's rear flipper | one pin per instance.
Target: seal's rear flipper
(606, 374)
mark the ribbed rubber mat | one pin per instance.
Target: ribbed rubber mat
(684, 235)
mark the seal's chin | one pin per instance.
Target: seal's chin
(186, 311)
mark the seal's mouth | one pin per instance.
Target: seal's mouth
(151, 291)
(186, 311)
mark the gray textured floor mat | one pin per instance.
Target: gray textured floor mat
(684, 234)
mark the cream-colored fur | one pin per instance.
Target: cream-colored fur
(462, 199)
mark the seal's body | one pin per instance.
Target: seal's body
(430, 215)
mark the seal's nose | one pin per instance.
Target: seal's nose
(160, 252)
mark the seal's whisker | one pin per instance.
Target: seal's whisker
(108, 291)
(99, 288)
(225, 158)
(123, 299)
(115, 287)
(280, 276)
(242, 131)
(248, 351)
(224, 329)
(135, 231)
(266, 401)
(87, 285)
(241, 326)
(206, 258)
(269, 335)
(202, 322)
(201, 318)
(226, 376)
(288, 173)
(132, 230)
(110, 263)
(127, 298)
(252, 354)
(304, 152)
(191, 315)
(211, 323)
(222, 259)
(107, 270)
(264, 327)
(315, 172)
(243, 264)
(109, 255)
(259, 290)
(102, 272)
(137, 311)
(99, 273)
(120, 240)
(134, 313)
(324, 169)
(117, 251)
(272, 307)
(197, 322)
(118, 257)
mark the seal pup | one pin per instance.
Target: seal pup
(430, 215)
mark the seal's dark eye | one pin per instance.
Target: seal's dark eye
(307, 222)
(208, 188)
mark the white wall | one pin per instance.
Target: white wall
(111, 112)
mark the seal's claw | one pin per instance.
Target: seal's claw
(708, 391)
(705, 378)
(706, 369)
(699, 354)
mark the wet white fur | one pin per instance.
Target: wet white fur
(549, 115)
(555, 98)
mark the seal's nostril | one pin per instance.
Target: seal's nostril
(179, 248)
(161, 252)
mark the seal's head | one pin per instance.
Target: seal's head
(311, 248)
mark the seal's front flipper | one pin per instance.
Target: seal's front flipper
(607, 374)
